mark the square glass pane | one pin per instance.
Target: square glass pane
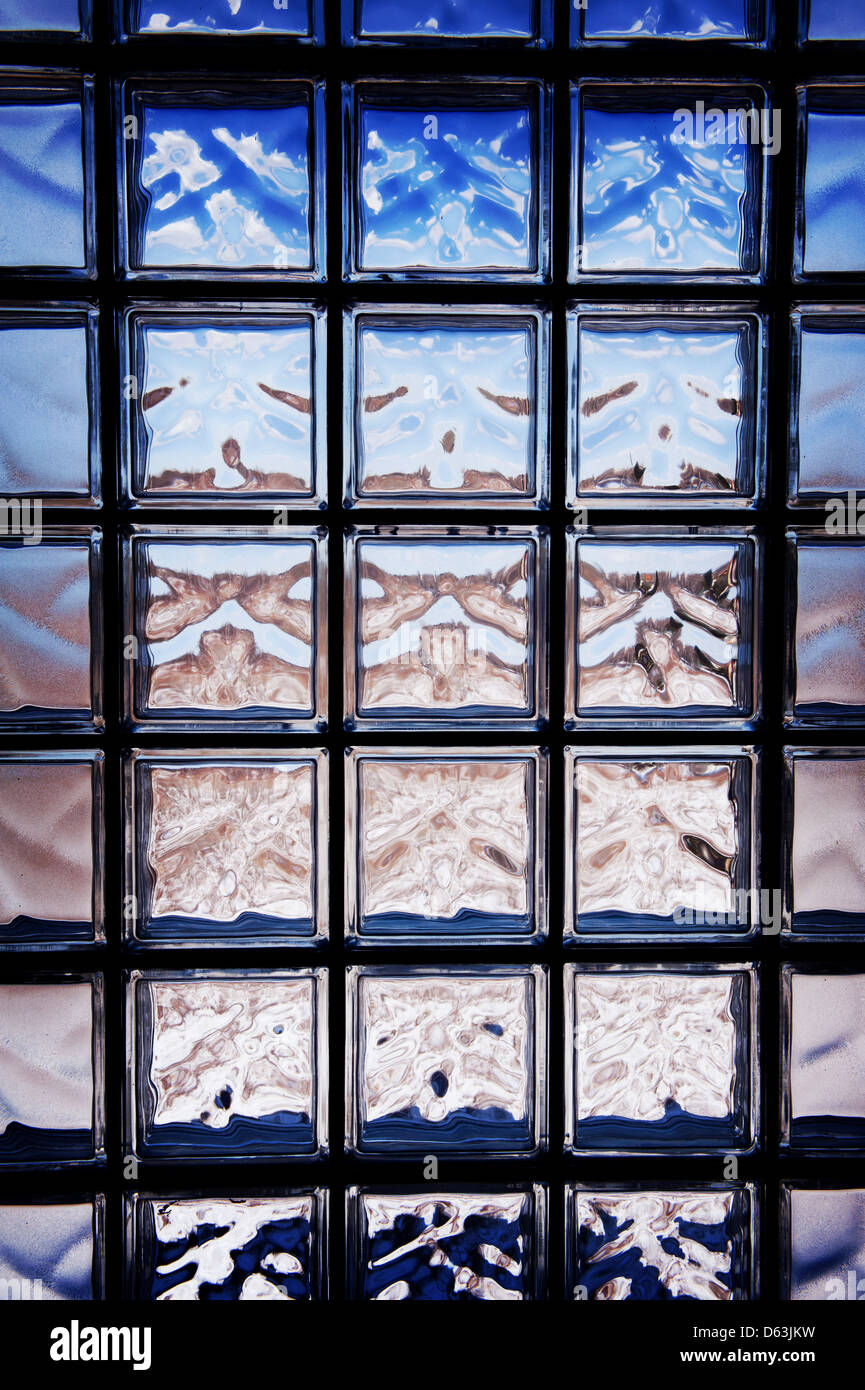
(825, 660)
(226, 850)
(50, 630)
(823, 1232)
(229, 629)
(665, 409)
(629, 21)
(661, 845)
(289, 19)
(51, 849)
(49, 432)
(661, 1059)
(446, 1246)
(222, 180)
(669, 180)
(834, 20)
(446, 1060)
(214, 1248)
(823, 1058)
(831, 187)
(646, 1244)
(828, 406)
(447, 407)
(447, 180)
(224, 407)
(42, 17)
(51, 1071)
(444, 845)
(448, 21)
(53, 1249)
(448, 628)
(226, 1065)
(662, 628)
(825, 855)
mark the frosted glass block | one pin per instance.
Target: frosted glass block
(53, 1249)
(226, 1064)
(825, 662)
(42, 17)
(831, 186)
(833, 20)
(225, 179)
(446, 1060)
(661, 1059)
(227, 849)
(51, 1071)
(662, 187)
(823, 1058)
(51, 849)
(631, 21)
(661, 627)
(448, 22)
(656, 1244)
(828, 404)
(825, 855)
(449, 627)
(447, 407)
(661, 845)
(445, 845)
(447, 180)
(229, 627)
(224, 407)
(823, 1243)
(666, 408)
(205, 1249)
(289, 19)
(457, 1247)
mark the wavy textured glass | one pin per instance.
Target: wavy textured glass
(45, 630)
(833, 196)
(46, 1072)
(831, 414)
(42, 217)
(827, 1245)
(836, 20)
(47, 1251)
(290, 18)
(45, 428)
(830, 630)
(46, 852)
(828, 852)
(826, 1060)
(666, 19)
(43, 16)
(443, 19)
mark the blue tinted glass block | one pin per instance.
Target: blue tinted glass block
(445, 846)
(446, 1246)
(51, 1071)
(447, 21)
(229, 627)
(292, 19)
(46, 174)
(227, 850)
(49, 432)
(823, 1058)
(447, 407)
(448, 627)
(620, 21)
(446, 180)
(50, 626)
(661, 846)
(53, 1249)
(226, 1064)
(831, 194)
(662, 628)
(661, 1059)
(51, 856)
(220, 1249)
(645, 1244)
(833, 20)
(224, 406)
(823, 1243)
(446, 1059)
(828, 410)
(666, 408)
(42, 17)
(825, 855)
(669, 180)
(222, 180)
(825, 661)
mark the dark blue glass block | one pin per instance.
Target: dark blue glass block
(621, 21)
(823, 1059)
(836, 21)
(293, 19)
(64, 17)
(52, 1249)
(831, 194)
(825, 662)
(447, 21)
(823, 1233)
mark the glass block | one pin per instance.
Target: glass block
(51, 850)
(828, 404)
(192, 1248)
(825, 620)
(831, 181)
(50, 629)
(441, 184)
(447, 407)
(222, 180)
(669, 180)
(44, 18)
(661, 844)
(666, 408)
(833, 20)
(224, 406)
(661, 1059)
(524, 22)
(824, 855)
(47, 215)
(53, 1249)
(644, 1243)
(449, 627)
(610, 22)
(227, 849)
(445, 845)
(446, 1060)
(446, 1246)
(51, 1071)
(823, 1058)
(49, 433)
(227, 628)
(226, 1065)
(823, 1242)
(662, 627)
(301, 20)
